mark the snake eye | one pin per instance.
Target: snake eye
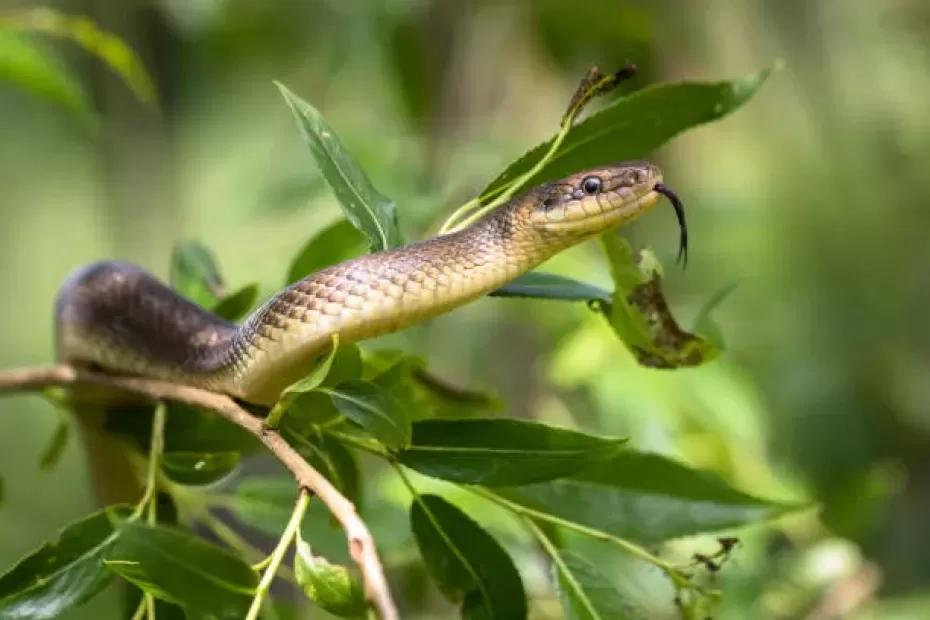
(591, 185)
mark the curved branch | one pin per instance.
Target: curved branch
(361, 544)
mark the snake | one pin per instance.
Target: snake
(116, 317)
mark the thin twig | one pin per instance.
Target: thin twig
(560, 565)
(277, 556)
(149, 500)
(360, 542)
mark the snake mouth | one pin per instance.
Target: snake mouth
(682, 222)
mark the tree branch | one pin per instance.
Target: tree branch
(361, 544)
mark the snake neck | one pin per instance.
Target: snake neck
(377, 294)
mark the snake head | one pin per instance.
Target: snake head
(595, 200)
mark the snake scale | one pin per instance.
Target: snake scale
(118, 317)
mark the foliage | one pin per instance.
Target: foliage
(27, 64)
(552, 480)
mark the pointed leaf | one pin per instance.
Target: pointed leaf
(367, 209)
(645, 497)
(466, 562)
(501, 451)
(180, 568)
(633, 126)
(60, 575)
(542, 285)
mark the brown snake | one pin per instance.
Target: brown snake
(118, 317)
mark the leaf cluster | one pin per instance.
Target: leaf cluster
(387, 404)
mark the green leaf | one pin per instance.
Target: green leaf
(586, 594)
(306, 407)
(32, 68)
(640, 315)
(196, 468)
(265, 502)
(313, 379)
(633, 126)
(304, 388)
(236, 305)
(187, 429)
(466, 562)
(195, 275)
(544, 285)
(501, 451)
(109, 48)
(56, 446)
(180, 568)
(332, 459)
(60, 575)
(367, 209)
(374, 409)
(337, 242)
(331, 586)
(645, 497)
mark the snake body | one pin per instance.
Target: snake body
(118, 317)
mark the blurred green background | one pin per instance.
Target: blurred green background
(812, 199)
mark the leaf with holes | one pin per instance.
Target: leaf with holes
(640, 315)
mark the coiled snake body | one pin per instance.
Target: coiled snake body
(119, 317)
